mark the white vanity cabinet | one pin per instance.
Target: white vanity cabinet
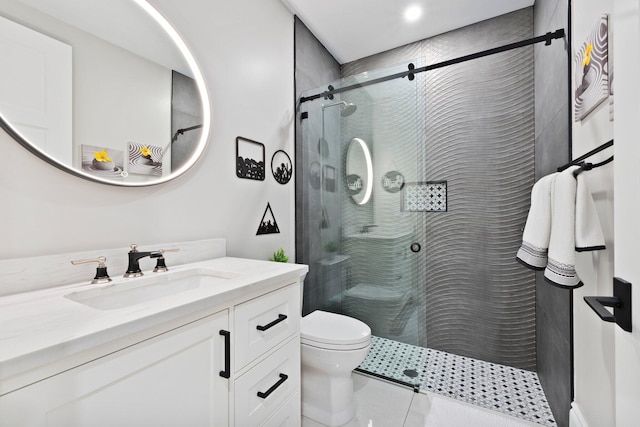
(237, 364)
(172, 379)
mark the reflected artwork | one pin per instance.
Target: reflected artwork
(103, 162)
(145, 159)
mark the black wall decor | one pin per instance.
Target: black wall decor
(281, 167)
(354, 184)
(268, 225)
(330, 176)
(315, 175)
(249, 159)
(392, 181)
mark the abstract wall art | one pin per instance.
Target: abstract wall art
(591, 68)
(102, 161)
(145, 159)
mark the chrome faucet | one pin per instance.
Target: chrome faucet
(133, 270)
(365, 228)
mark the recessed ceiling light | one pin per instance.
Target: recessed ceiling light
(412, 13)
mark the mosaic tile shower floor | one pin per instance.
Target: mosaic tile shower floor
(512, 391)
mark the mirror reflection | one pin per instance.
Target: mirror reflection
(100, 89)
(359, 171)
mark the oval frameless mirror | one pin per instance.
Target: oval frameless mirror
(359, 171)
(105, 90)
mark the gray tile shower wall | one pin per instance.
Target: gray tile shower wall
(479, 137)
(553, 306)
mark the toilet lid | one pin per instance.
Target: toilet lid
(334, 331)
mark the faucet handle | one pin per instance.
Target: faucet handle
(162, 251)
(101, 271)
(161, 266)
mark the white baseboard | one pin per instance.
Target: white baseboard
(576, 419)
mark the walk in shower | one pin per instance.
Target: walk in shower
(412, 193)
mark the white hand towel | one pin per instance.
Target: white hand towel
(535, 239)
(589, 236)
(561, 265)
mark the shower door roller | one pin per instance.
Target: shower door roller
(415, 247)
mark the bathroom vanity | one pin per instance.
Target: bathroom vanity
(211, 343)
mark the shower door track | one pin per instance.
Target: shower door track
(414, 387)
(410, 73)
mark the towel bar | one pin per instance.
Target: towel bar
(620, 301)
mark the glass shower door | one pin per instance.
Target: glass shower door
(363, 196)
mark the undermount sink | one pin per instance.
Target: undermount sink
(142, 290)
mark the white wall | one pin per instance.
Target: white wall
(245, 49)
(627, 203)
(594, 339)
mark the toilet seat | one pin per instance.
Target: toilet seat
(333, 331)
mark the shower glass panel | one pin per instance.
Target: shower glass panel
(362, 233)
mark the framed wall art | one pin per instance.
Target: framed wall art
(591, 67)
(145, 159)
(250, 162)
(102, 161)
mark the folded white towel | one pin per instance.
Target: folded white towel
(535, 239)
(589, 236)
(561, 265)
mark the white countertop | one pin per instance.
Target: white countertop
(44, 327)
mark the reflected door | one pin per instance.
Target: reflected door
(36, 95)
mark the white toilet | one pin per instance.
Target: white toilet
(333, 345)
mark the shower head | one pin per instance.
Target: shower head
(346, 110)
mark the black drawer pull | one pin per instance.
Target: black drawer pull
(273, 388)
(227, 354)
(281, 318)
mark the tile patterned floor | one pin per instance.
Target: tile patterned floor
(512, 391)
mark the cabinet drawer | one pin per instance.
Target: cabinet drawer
(267, 386)
(288, 415)
(264, 322)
